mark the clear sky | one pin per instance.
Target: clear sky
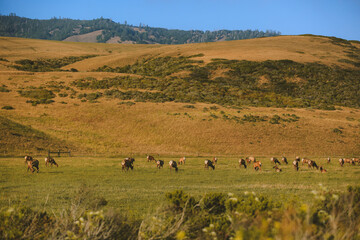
(339, 18)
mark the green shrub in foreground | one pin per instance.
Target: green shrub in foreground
(330, 215)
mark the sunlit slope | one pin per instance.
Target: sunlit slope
(112, 126)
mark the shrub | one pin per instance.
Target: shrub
(48, 65)
(7, 107)
(275, 119)
(337, 131)
(189, 106)
(214, 203)
(3, 88)
(37, 93)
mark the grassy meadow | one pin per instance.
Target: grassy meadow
(143, 190)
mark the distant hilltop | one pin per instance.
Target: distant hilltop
(103, 30)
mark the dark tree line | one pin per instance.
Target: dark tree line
(62, 28)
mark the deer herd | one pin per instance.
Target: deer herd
(128, 163)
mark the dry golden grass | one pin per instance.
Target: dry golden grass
(112, 129)
(296, 48)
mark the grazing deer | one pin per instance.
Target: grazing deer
(214, 161)
(275, 160)
(277, 169)
(127, 163)
(250, 159)
(356, 160)
(312, 164)
(242, 162)
(296, 165)
(32, 164)
(348, 160)
(182, 161)
(257, 166)
(341, 162)
(173, 164)
(159, 164)
(51, 161)
(328, 160)
(208, 164)
(305, 161)
(322, 170)
(150, 158)
(284, 159)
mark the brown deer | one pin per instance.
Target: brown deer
(127, 163)
(150, 158)
(296, 165)
(277, 169)
(208, 164)
(275, 160)
(51, 161)
(159, 164)
(257, 166)
(242, 162)
(173, 164)
(32, 164)
(182, 161)
(250, 159)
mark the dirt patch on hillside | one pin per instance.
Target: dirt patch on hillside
(88, 37)
(114, 40)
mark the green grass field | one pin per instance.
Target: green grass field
(140, 191)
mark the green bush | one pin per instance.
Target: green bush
(37, 93)
(7, 107)
(3, 88)
(337, 130)
(327, 215)
(48, 65)
(319, 86)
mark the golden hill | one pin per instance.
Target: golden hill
(111, 126)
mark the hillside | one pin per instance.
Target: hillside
(292, 95)
(106, 30)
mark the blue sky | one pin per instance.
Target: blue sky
(339, 18)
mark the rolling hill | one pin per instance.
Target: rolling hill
(284, 95)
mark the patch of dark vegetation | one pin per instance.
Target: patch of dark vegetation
(127, 103)
(337, 131)
(91, 97)
(8, 107)
(48, 65)
(157, 67)
(138, 96)
(289, 84)
(38, 95)
(4, 88)
(189, 106)
(4, 60)
(253, 118)
(356, 64)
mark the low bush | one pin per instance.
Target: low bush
(4, 88)
(7, 107)
(48, 65)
